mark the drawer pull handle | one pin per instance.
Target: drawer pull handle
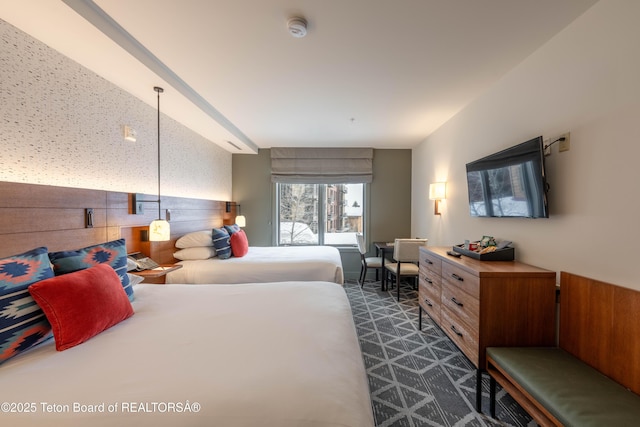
(456, 302)
(428, 262)
(458, 333)
(429, 281)
(428, 303)
(455, 276)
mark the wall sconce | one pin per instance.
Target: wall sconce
(240, 220)
(437, 192)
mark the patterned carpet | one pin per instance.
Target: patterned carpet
(419, 378)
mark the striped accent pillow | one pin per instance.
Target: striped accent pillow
(113, 253)
(232, 228)
(222, 242)
(22, 323)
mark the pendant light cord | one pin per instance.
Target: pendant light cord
(159, 90)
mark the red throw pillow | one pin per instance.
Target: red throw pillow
(239, 243)
(82, 304)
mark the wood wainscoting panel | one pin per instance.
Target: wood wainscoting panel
(187, 215)
(33, 215)
(625, 366)
(600, 324)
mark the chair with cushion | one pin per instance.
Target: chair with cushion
(367, 262)
(406, 253)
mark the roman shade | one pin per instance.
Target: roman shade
(322, 165)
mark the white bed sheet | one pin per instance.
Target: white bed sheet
(248, 355)
(265, 264)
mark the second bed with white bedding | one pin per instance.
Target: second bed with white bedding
(265, 264)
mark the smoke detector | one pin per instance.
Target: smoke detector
(297, 27)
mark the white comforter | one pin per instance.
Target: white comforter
(265, 264)
(242, 355)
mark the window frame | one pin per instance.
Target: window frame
(321, 211)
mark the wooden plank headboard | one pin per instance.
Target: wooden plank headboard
(600, 324)
(34, 215)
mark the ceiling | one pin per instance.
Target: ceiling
(369, 73)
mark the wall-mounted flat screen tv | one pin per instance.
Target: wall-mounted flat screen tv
(510, 183)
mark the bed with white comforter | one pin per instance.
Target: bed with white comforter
(241, 355)
(265, 264)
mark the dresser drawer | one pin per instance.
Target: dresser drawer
(429, 300)
(430, 262)
(461, 334)
(461, 305)
(461, 279)
(430, 278)
(431, 286)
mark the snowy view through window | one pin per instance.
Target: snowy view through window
(320, 214)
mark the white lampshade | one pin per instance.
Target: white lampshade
(241, 221)
(159, 231)
(437, 191)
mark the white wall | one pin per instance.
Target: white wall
(61, 124)
(586, 80)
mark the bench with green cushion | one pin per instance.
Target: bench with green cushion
(593, 377)
(571, 391)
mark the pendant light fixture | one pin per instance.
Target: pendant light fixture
(159, 229)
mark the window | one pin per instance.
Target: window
(319, 214)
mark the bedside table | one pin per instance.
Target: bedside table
(157, 275)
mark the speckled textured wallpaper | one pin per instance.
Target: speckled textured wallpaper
(61, 124)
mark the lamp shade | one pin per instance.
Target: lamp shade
(159, 231)
(437, 191)
(241, 221)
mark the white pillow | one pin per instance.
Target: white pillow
(190, 254)
(195, 240)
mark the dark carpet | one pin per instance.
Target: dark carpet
(419, 378)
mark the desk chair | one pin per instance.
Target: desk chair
(406, 253)
(367, 262)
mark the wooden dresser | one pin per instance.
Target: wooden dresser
(479, 304)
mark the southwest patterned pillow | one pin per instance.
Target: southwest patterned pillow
(22, 322)
(232, 228)
(221, 242)
(113, 253)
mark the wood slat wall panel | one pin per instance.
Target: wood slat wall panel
(13, 244)
(183, 221)
(124, 218)
(45, 196)
(600, 323)
(625, 366)
(119, 200)
(34, 215)
(22, 220)
(189, 203)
